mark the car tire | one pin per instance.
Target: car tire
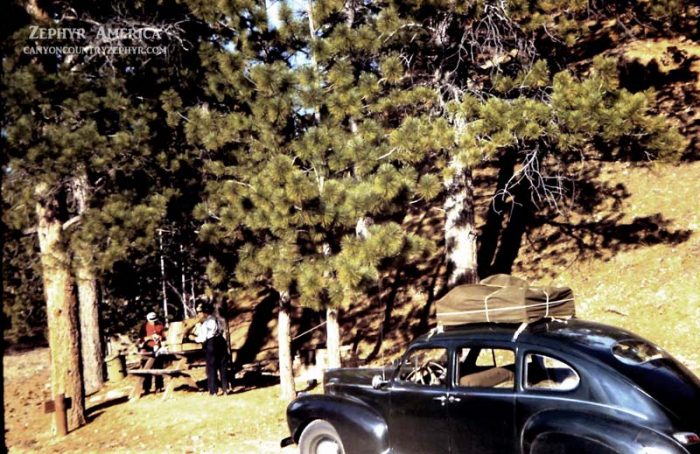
(320, 437)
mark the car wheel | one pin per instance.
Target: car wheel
(320, 437)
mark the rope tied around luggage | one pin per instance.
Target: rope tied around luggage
(486, 306)
(503, 299)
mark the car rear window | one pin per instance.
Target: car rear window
(543, 372)
(635, 351)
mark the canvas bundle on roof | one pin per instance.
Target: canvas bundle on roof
(505, 299)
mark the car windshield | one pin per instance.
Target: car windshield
(634, 351)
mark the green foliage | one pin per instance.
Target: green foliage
(23, 309)
(119, 119)
(391, 69)
(265, 149)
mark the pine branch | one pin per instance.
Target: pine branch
(71, 222)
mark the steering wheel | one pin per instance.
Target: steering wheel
(430, 373)
(436, 371)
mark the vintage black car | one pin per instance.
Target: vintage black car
(553, 387)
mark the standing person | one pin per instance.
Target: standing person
(210, 335)
(151, 336)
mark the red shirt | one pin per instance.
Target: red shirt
(148, 329)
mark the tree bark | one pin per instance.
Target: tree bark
(333, 338)
(460, 227)
(512, 237)
(284, 340)
(61, 308)
(332, 326)
(491, 231)
(90, 341)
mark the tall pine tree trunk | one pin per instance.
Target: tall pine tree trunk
(61, 308)
(90, 342)
(460, 226)
(284, 340)
(332, 325)
(332, 337)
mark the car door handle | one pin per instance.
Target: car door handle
(454, 399)
(442, 399)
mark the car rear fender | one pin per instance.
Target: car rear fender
(361, 428)
(557, 430)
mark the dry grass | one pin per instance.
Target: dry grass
(191, 422)
(661, 50)
(651, 290)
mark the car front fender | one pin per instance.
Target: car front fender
(361, 428)
(574, 432)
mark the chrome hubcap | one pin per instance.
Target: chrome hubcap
(327, 447)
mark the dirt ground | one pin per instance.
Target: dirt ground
(191, 422)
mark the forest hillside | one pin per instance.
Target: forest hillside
(319, 177)
(629, 246)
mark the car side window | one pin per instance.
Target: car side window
(547, 373)
(485, 367)
(424, 367)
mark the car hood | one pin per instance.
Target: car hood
(353, 376)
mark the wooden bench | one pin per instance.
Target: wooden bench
(174, 376)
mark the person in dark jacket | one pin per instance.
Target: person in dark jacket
(151, 336)
(211, 336)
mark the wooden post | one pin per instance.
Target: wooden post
(59, 405)
(332, 338)
(61, 416)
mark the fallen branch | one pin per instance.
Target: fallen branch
(616, 311)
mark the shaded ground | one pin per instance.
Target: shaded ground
(191, 422)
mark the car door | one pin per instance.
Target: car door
(549, 383)
(418, 415)
(481, 403)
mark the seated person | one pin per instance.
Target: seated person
(151, 337)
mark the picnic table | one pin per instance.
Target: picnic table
(175, 371)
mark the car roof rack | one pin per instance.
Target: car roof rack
(521, 326)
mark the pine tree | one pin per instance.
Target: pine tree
(61, 307)
(243, 134)
(454, 86)
(98, 124)
(88, 303)
(287, 154)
